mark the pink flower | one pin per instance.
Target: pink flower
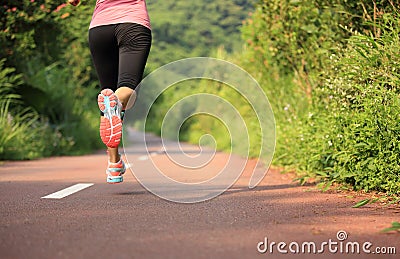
(32, 1)
(61, 6)
(14, 9)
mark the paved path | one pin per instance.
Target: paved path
(127, 221)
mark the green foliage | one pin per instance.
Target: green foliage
(395, 227)
(22, 135)
(183, 29)
(35, 34)
(361, 203)
(331, 71)
(45, 42)
(293, 34)
(359, 110)
(199, 125)
(27, 29)
(220, 130)
(299, 36)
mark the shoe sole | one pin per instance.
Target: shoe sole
(115, 179)
(110, 124)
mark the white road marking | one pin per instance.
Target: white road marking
(154, 153)
(143, 158)
(68, 191)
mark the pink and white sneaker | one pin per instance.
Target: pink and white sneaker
(115, 171)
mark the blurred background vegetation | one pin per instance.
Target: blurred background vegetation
(331, 70)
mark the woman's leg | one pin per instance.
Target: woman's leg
(105, 55)
(134, 42)
(119, 53)
(127, 97)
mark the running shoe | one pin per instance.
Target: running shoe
(110, 123)
(115, 171)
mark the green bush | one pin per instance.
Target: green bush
(353, 135)
(53, 101)
(331, 72)
(22, 134)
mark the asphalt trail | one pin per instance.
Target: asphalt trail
(127, 221)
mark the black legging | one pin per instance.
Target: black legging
(119, 53)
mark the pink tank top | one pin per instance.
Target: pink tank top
(120, 11)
